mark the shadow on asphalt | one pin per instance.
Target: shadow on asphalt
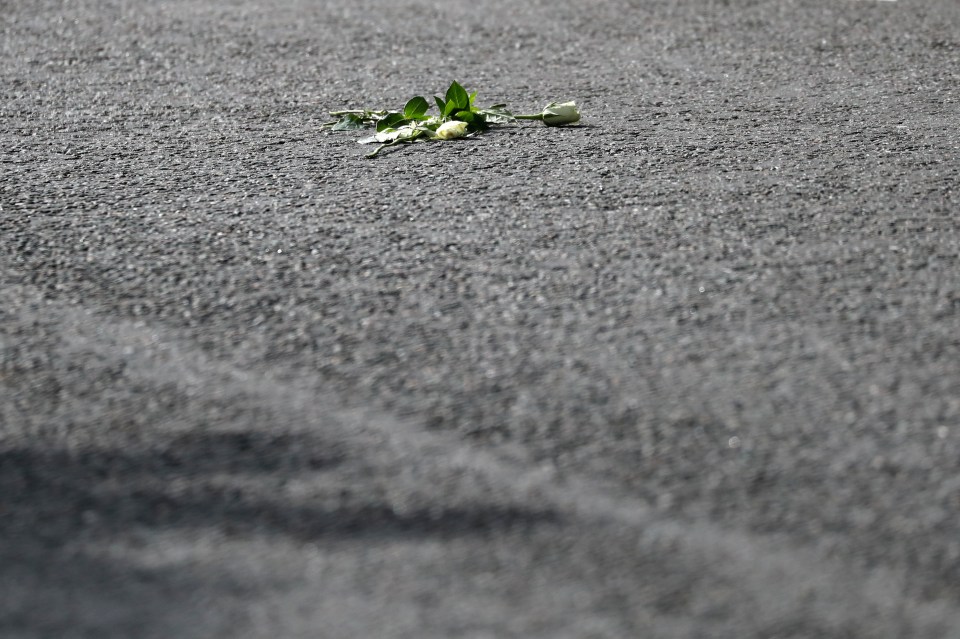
(52, 496)
(56, 593)
(68, 521)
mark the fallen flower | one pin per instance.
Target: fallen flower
(458, 117)
(555, 114)
(452, 130)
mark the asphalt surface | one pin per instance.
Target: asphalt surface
(689, 370)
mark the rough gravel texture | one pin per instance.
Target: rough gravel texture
(689, 370)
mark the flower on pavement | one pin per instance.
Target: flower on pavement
(452, 130)
(560, 113)
(457, 116)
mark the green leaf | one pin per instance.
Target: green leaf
(349, 122)
(450, 108)
(392, 120)
(415, 108)
(458, 95)
(475, 121)
(440, 103)
(473, 96)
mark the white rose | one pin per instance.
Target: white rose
(451, 130)
(559, 113)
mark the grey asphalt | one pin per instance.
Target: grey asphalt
(691, 369)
